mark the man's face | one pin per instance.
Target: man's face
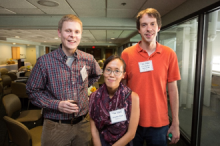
(148, 28)
(70, 35)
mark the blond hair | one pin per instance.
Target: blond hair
(69, 17)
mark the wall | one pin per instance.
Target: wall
(31, 54)
(189, 7)
(6, 53)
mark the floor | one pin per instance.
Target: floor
(210, 131)
(210, 125)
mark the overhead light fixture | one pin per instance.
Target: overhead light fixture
(56, 38)
(17, 37)
(48, 3)
(14, 43)
(112, 38)
(123, 4)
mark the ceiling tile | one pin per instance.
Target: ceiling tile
(87, 4)
(113, 34)
(16, 4)
(130, 4)
(63, 7)
(163, 7)
(127, 33)
(125, 13)
(27, 11)
(6, 11)
(90, 12)
(100, 35)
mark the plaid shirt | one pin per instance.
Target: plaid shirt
(52, 81)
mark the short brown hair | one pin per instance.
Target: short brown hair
(152, 13)
(69, 17)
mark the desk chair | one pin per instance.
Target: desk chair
(6, 82)
(1, 91)
(19, 89)
(3, 71)
(96, 85)
(27, 74)
(101, 80)
(12, 104)
(13, 76)
(21, 135)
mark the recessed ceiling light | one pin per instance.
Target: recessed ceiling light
(45, 41)
(112, 38)
(17, 37)
(56, 38)
(14, 43)
(110, 42)
(123, 4)
(48, 3)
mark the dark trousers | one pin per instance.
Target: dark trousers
(152, 136)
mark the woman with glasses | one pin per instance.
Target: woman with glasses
(114, 108)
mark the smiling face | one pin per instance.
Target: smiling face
(111, 80)
(148, 29)
(70, 35)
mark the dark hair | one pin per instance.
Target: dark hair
(113, 57)
(152, 13)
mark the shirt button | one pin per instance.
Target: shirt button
(73, 83)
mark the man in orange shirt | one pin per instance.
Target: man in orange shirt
(150, 68)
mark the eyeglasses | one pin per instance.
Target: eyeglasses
(109, 71)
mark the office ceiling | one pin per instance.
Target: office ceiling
(28, 22)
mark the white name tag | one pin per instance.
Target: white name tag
(117, 116)
(145, 66)
(84, 73)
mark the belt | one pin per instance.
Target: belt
(72, 121)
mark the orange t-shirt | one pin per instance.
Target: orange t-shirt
(151, 85)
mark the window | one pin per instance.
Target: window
(182, 39)
(210, 131)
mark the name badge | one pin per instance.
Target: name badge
(117, 116)
(145, 66)
(83, 73)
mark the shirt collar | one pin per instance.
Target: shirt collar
(158, 47)
(63, 55)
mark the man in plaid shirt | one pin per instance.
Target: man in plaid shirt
(59, 84)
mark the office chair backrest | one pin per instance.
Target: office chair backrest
(13, 76)
(19, 89)
(6, 81)
(1, 89)
(19, 133)
(11, 103)
(3, 71)
(27, 74)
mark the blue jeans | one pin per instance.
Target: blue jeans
(152, 136)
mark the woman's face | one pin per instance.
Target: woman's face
(113, 74)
